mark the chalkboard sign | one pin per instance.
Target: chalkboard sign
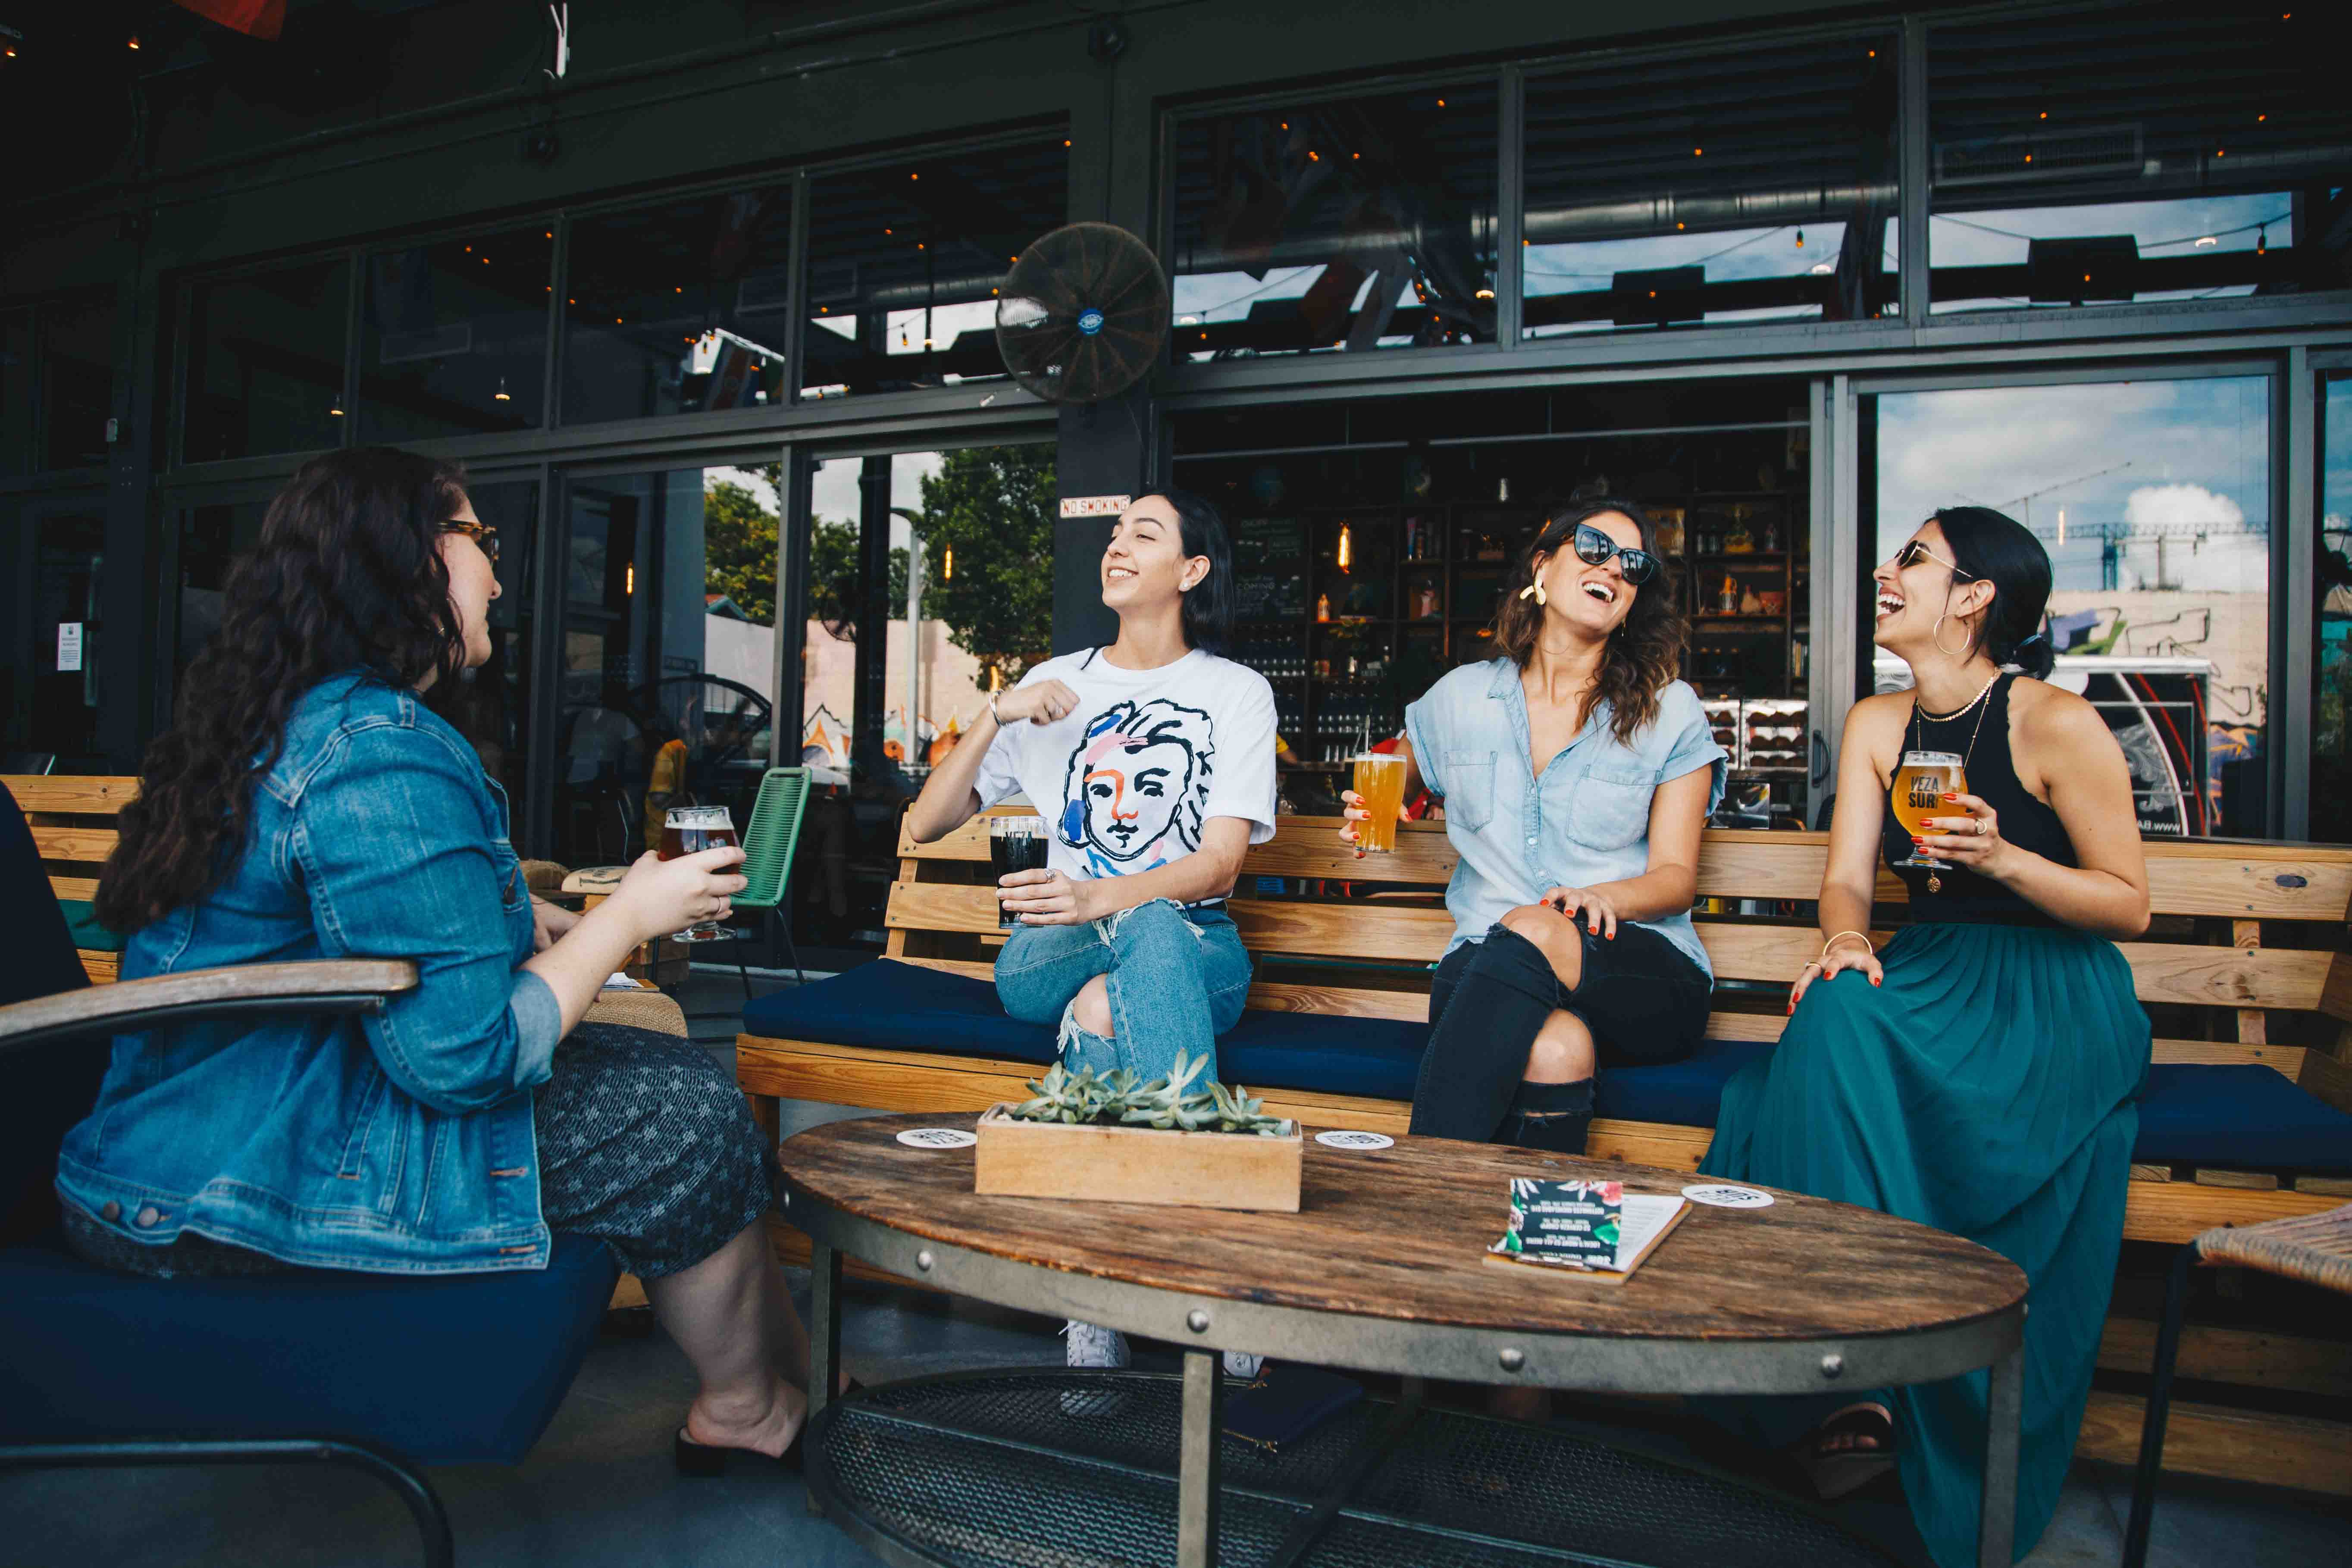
(1267, 596)
(1264, 540)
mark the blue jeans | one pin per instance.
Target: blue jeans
(1176, 982)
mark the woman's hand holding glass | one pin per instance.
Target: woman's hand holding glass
(1972, 842)
(662, 897)
(1354, 812)
(1045, 897)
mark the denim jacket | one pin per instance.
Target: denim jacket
(399, 1143)
(1586, 820)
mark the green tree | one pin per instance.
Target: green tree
(739, 549)
(833, 576)
(992, 507)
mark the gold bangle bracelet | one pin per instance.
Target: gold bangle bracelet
(1840, 937)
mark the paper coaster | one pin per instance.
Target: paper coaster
(1343, 1140)
(941, 1138)
(1720, 1197)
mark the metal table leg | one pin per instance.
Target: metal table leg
(2004, 1418)
(824, 1335)
(1198, 1460)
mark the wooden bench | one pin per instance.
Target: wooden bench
(72, 819)
(2217, 990)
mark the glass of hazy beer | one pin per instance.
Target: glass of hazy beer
(689, 830)
(1920, 785)
(1379, 780)
(1015, 843)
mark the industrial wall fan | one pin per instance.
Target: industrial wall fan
(1084, 313)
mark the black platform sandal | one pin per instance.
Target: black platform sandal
(1836, 1470)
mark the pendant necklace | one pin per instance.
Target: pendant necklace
(1919, 738)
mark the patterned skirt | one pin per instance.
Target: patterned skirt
(645, 1144)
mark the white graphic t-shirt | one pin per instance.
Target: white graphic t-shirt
(1127, 778)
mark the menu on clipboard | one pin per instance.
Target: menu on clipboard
(1596, 1227)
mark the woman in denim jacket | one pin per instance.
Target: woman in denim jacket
(309, 804)
(1577, 772)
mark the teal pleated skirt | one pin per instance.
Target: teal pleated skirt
(1987, 1089)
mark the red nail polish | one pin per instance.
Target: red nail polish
(1949, 796)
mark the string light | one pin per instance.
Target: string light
(1343, 547)
(1800, 239)
(2263, 240)
(1698, 152)
(629, 578)
(134, 40)
(1441, 103)
(501, 395)
(947, 565)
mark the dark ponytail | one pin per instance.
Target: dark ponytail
(1209, 604)
(1994, 548)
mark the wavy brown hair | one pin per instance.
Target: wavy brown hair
(348, 575)
(1645, 651)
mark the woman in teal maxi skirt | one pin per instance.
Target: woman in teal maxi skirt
(1979, 1074)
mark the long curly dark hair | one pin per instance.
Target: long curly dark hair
(348, 575)
(1645, 651)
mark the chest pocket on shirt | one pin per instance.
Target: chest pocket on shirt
(1612, 807)
(1470, 783)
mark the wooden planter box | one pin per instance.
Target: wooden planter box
(1136, 1164)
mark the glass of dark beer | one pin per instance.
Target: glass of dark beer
(689, 830)
(1015, 843)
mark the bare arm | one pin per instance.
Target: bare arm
(2064, 740)
(949, 799)
(1850, 881)
(1669, 883)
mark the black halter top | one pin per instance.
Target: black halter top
(1966, 897)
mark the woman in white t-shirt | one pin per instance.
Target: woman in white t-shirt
(1152, 762)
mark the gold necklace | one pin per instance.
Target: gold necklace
(1918, 734)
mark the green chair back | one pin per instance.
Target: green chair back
(775, 833)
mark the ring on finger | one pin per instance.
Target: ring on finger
(1983, 827)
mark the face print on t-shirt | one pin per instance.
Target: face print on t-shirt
(1131, 795)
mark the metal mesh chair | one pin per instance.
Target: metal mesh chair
(2315, 1248)
(768, 841)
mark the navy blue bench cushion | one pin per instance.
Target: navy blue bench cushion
(448, 1369)
(2233, 1117)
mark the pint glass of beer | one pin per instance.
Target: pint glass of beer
(1014, 843)
(689, 830)
(1380, 779)
(1920, 784)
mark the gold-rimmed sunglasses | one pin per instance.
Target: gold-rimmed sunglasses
(1913, 553)
(481, 533)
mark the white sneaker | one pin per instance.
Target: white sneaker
(1244, 1365)
(1093, 1348)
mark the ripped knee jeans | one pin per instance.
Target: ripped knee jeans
(1177, 980)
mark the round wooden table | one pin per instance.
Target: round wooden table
(1384, 1270)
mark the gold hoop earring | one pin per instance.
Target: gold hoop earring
(1935, 636)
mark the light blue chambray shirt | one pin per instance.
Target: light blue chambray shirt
(1586, 820)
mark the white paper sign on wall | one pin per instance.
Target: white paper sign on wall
(1094, 506)
(68, 645)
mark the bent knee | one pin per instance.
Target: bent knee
(1092, 1008)
(1563, 1051)
(1555, 935)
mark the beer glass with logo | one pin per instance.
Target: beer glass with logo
(1015, 843)
(1379, 780)
(1920, 784)
(689, 830)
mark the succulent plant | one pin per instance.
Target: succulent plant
(1116, 1099)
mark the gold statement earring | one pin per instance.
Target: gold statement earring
(1536, 590)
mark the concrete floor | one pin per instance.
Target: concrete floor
(598, 1489)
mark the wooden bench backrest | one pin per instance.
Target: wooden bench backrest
(940, 913)
(73, 820)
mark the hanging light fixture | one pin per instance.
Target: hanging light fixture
(1343, 547)
(2061, 525)
(2263, 240)
(501, 395)
(1800, 239)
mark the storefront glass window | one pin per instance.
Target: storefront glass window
(678, 309)
(1753, 185)
(15, 391)
(265, 368)
(2331, 734)
(905, 263)
(491, 707)
(57, 383)
(1354, 224)
(2167, 152)
(454, 339)
(2153, 499)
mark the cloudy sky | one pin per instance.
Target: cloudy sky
(2186, 457)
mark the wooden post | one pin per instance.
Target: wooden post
(2253, 1026)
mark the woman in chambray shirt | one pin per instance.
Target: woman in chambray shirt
(309, 803)
(1577, 772)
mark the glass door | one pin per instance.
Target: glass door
(50, 678)
(2153, 494)
(928, 585)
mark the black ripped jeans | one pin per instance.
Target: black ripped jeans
(1641, 996)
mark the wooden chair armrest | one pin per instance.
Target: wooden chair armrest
(320, 985)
